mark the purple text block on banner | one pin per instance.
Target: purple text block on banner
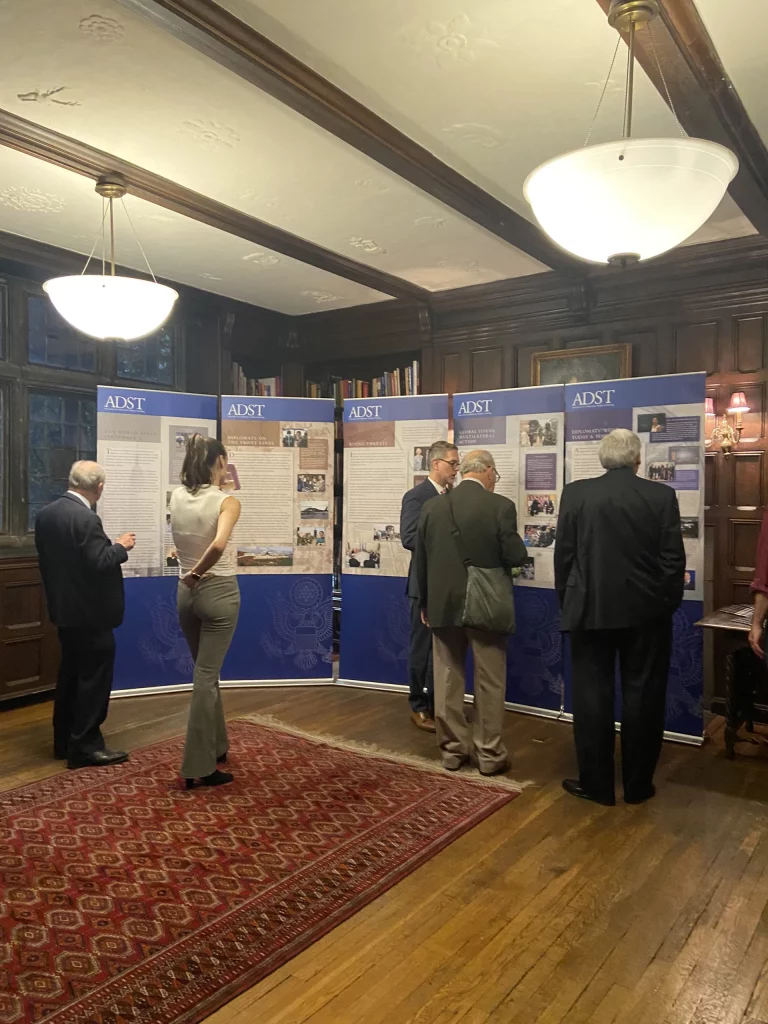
(686, 480)
(541, 472)
(477, 433)
(678, 428)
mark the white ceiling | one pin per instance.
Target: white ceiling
(492, 89)
(40, 201)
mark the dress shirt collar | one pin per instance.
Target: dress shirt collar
(438, 488)
(84, 500)
(473, 480)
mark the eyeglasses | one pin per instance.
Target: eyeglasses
(498, 474)
(453, 463)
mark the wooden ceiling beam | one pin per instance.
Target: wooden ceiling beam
(45, 144)
(704, 99)
(220, 36)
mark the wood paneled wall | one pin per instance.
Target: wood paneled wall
(28, 647)
(702, 308)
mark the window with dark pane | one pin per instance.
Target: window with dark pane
(52, 342)
(149, 359)
(62, 429)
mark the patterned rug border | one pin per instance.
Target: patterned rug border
(383, 754)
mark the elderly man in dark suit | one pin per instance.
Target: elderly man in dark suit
(443, 460)
(487, 524)
(83, 583)
(619, 568)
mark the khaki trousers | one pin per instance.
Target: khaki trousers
(454, 735)
(207, 616)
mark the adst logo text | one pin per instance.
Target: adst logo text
(475, 407)
(365, 412)
(125, 403)
(245, 410)
(586, 399)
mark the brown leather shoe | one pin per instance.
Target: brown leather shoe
(422, 721)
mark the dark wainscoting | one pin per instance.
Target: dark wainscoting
(29, 650)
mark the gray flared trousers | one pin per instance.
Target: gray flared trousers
(208, 616)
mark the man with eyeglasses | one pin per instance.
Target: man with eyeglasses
(443, 461)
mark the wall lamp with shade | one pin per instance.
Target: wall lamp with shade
(631, 199)
(727, 434)
(108, 305)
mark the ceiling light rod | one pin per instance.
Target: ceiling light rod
(111, 188)
(627, 16)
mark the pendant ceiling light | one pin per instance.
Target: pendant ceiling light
(632, 199)
(109, 305)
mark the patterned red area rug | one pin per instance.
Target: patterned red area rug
(128, 899)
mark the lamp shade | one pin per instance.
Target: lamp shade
(738, 402)
(634, 197)
(101, 306)
(710, 406)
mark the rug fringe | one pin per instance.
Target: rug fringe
(374, 750)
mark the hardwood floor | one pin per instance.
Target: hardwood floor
(553, 911)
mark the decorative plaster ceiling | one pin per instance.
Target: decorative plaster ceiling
(94, 71)
(491, 87)
(493, 92)
(739, 33)
(40, 201)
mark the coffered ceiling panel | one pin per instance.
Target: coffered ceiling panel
(491, 87)
(51, 205)
(95, 71)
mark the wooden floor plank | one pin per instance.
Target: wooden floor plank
(553, 911)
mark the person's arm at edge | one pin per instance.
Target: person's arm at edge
(420, 556)
(565, 543)
(409, 521)
(672, 552)
(760, 593)
(98, 553)
(513, 550)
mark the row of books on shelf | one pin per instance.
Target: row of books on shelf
(402, 381)
(261, 387)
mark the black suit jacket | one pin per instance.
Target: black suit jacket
(619, 555)
(410, 513)
(80, 566)
(488, 526)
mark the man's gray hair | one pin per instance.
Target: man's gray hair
(86, 476)
(620, 450)
(476, 462)
(440, 450)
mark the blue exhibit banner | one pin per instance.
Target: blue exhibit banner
(401, 407)
(302, 410)
(144, 402)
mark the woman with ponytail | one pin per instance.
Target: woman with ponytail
(202, 519)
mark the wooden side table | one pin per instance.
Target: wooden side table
(742, 670)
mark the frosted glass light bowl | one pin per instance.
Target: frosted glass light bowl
(635, 197)
(103, 307)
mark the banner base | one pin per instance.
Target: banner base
(523, 709)
(225, 684)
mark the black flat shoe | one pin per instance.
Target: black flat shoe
(574, 787)
(98, 759)
(640, 798)
(216, 778)
(500, 770)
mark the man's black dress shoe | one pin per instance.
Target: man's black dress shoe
(98, 759)
(640, 798)
(575, 788)
(216, 778)
(499, 770)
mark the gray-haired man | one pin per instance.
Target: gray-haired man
(619, 568)
(443, 460)
(487, 523)
(83, 583)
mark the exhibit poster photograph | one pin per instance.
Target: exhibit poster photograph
(281, 468)
(141, 442)
(523, 428)
(668, 414)
(386, 446)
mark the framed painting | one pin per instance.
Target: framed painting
(579, 365)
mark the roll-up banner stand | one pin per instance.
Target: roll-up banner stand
(281, 458)
(141, 442)
(668, 414)
(386, 441)
(523, 428)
